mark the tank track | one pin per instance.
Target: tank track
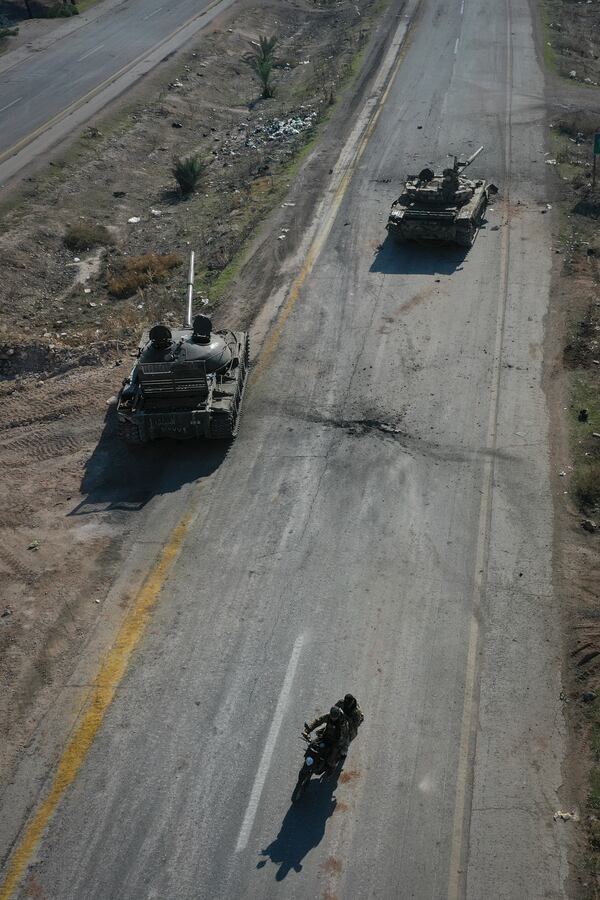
(129, 433)
(224, 425)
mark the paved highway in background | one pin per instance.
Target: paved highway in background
(55, 85)
(383, 524)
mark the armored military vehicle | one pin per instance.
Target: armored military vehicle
(441, 207)
(187, 383)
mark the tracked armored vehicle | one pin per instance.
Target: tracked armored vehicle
(444, 207)
(187, 382)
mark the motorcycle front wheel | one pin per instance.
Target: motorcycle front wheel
(303, 779)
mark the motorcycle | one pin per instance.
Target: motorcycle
(315, 763)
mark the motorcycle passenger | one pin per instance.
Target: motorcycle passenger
(353, 713)
(336, 734)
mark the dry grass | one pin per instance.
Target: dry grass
(141, 271)
(82, 237)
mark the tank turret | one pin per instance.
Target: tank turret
(187, 382)
(445, 206)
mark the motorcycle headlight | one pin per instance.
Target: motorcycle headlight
(309, 760)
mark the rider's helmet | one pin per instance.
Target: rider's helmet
(350, 702)
(335, 713)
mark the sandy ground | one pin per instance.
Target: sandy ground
(65, 342)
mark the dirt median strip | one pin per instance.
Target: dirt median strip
(570, 37)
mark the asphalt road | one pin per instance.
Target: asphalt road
(383, 525)
(53, 86)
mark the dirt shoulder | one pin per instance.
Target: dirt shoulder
(569, 39)
(74, 496)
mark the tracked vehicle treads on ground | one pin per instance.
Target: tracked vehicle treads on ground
(187, 383)
(446, 207)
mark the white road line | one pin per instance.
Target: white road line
(462, 7)
(263, 769)
(90, 52)
(8, 105)
(153, 13)
(456, 46)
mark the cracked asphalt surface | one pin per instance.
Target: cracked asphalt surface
(414, 565)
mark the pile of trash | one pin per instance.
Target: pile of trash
(263, 133)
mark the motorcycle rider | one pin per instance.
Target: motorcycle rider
(353, 713)
(336, 734)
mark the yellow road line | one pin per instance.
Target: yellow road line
(105, 685)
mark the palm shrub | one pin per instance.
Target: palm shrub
(262, 61)
(188, 171)
(263, 68)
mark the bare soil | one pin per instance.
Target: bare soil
(67, 500)
(571, 44)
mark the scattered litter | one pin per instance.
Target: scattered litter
(119, 193)
(572, 74)
(548, 206)
(565, 816)
(281, 237)
(134, 220)
(562, 473)
(156, 213)
(589, 696)
(588, 525)
(97, 600)
(7, 612)
(495, 228)
(176, 84)
(140, 306)
(34, 545)
(287, 204)
(176, 125)
(595, 434)
(92, 305)
(204, 301)
(551, 162)
(583, 415)
(87, 290)
(76, 259)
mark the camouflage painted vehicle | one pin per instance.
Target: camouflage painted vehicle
(187, 382)
(446, 207)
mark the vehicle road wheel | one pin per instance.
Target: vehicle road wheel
(129, 433)
(221, 426)
(466, 236)
(303, 779)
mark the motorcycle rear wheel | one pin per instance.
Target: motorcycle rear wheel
(303, 779)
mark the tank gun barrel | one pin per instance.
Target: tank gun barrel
(472, 158)
(190, 293)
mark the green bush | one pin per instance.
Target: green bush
(187, 172)
(587, 487)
